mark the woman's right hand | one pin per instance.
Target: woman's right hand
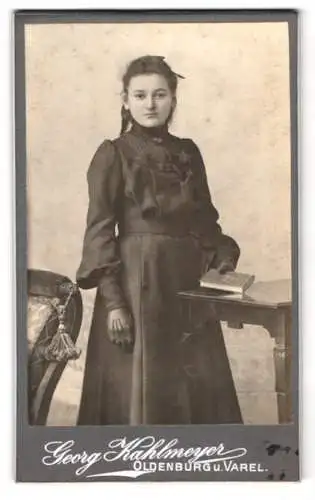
(119, 327)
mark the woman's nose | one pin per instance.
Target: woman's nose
(150, 102)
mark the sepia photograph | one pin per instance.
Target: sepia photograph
(159, 223)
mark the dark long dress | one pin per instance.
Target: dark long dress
(152, 186)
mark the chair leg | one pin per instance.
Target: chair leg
(44, 393)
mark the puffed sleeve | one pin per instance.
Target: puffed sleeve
(219, 246)
(100, 264)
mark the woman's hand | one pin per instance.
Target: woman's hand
(225, 266)
(119, 327)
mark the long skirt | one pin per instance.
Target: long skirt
(169, 377)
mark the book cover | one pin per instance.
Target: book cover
(230, 282)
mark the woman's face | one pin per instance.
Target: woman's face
(149, 100)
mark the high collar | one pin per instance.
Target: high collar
(154, 133)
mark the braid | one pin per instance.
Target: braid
(125, 119)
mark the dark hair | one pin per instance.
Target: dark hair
(147, 65)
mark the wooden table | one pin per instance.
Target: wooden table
(267, 304)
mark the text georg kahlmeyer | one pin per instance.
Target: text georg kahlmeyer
(148, 455)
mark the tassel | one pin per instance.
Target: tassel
(61, 347)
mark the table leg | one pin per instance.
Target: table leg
(281, 330)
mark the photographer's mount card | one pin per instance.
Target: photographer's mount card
(152, 147)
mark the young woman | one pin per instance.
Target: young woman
(152, 231)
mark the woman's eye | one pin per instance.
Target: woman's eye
(139, 96)
(160, 95)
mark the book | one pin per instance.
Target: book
(231, 281)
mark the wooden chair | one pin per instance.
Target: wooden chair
(54, 314)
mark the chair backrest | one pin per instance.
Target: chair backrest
(46, 291)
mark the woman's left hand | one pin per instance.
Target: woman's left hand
(225, 266)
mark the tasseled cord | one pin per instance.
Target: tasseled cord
(61, 347)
